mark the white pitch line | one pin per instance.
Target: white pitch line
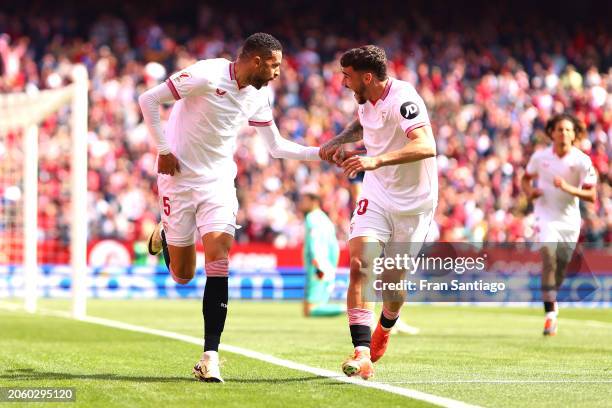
(562, 320)
(414, 394)
(590, 323)
(13, 307)
(596, 323)
(406, 392)
(505, 382)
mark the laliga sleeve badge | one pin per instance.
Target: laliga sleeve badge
(409, 110)
(181, 76)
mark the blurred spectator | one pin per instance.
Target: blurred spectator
(489, 92)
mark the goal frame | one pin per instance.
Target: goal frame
(26, 111)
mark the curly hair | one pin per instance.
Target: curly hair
(369, 58)
(579, 127)
(261, 44)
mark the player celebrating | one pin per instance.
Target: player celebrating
(400, 326)
(563, 175)
(400, 187)
(196, 169)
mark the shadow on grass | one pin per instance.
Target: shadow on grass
(29, 374)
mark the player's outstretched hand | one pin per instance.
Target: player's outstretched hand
(328, 150)
(168, 164)
(356, 164)
(535, 193)
(341, 155)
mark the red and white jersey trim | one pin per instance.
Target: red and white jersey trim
(416, 126)
(260, 124)
(173, 89)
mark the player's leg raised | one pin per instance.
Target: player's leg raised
(177, 233)
(182, 263)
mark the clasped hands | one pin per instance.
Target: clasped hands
(351, 161)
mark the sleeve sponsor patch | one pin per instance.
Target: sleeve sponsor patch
(409, 110)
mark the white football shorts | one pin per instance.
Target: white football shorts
(555, 231)
(371, 220)
(211, 207)
(552, 233)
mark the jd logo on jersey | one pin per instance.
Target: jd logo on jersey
(409, 110)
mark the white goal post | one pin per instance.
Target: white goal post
(22, 113)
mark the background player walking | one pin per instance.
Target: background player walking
(563, 174)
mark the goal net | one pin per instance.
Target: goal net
(43, 190)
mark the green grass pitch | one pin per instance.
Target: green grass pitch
(487, 356)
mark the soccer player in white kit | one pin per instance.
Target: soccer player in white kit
(563, 175)
(400, 188)
(214, 98)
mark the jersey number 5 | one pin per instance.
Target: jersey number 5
(166, 201)
(362, 206)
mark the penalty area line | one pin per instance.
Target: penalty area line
(332, 375)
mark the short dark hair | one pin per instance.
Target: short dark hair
(261, 44)
(579, 128)
(369, 58)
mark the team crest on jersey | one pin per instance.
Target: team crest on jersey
(220, 92)
(409, 110)
(383, 115)
(181, 76)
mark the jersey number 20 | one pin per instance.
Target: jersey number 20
(362, 206)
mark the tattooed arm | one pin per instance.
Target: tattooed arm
(352, 133)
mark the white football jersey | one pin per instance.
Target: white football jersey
(211, 107)
(409, 188)
(555, 205)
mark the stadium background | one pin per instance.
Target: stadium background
(490, 75)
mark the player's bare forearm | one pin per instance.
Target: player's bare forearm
(527, 185)
(586, 194)
(352, 133)
(421, 146)
(526, 182)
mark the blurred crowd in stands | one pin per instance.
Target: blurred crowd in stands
(489, 84)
